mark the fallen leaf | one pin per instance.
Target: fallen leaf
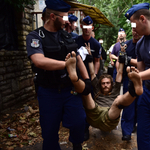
(9, 143)
(10, 148)
(24, 137)
(32, 134)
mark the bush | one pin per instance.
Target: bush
(19, 5)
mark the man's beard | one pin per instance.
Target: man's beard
(109, 89)
(122, 39)
(57, 24)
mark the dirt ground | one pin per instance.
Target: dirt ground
(24, 121)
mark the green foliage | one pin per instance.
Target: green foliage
(20, 4)
(114, 10)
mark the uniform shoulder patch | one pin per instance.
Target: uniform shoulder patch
(35, 43)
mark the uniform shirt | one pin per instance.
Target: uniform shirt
(34, 44)
(105, 100)
(74, 35)
(130, 50)
(94, 45)
(51, 49)
(143, 52)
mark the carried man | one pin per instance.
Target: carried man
(105, 118)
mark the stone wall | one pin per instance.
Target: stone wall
(16, 76)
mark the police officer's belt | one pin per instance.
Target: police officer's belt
(60, 86)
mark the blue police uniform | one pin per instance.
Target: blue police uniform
(143, 116)
(143, 110)
(74, 35)
(128, 119)
(94, 44)
(56, 103)
(71, 19)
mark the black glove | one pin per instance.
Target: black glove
(128, 60)
(87, 88)
(89, 58)
(131, 89)
(122, 56)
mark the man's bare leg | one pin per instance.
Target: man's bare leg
(79, 85)
(71, 68)
(119, 72)
(126, 99)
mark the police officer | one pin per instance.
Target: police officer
(139, 15)
(71, 25)
(47, 47)
(128, 120)
(87, 27)
(116, 49)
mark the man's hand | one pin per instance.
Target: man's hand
(122, 57)
(123, 46)
(88, 48)
(89, 57)
(112, 63)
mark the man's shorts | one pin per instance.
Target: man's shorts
(98, 118)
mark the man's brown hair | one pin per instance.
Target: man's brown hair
(140, 12)
(49, 11)
(100, 80)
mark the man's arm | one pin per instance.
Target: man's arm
(45, 63)
(92, 72)
(114, 57)
(112, 63)
(144, 74)
(91, 65)
(119, 72)
(82, 68)
(133, 62)
(140, 66)
(96, 65)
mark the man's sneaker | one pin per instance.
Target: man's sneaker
(126, 138)
(77, 147)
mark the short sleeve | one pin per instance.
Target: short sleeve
(34, 44)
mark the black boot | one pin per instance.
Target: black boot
(126, 138)
(134, 129)
(77, 147)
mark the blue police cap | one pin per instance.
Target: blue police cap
(121, 29)
(44, 9)
(72, 17)
(58, 5)
(87, 20)
(135, 8)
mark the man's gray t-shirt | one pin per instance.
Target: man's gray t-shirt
(105, 100)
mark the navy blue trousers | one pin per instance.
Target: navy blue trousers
(114, 74)
(56, 106)
(129, 115)
(143, 120)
